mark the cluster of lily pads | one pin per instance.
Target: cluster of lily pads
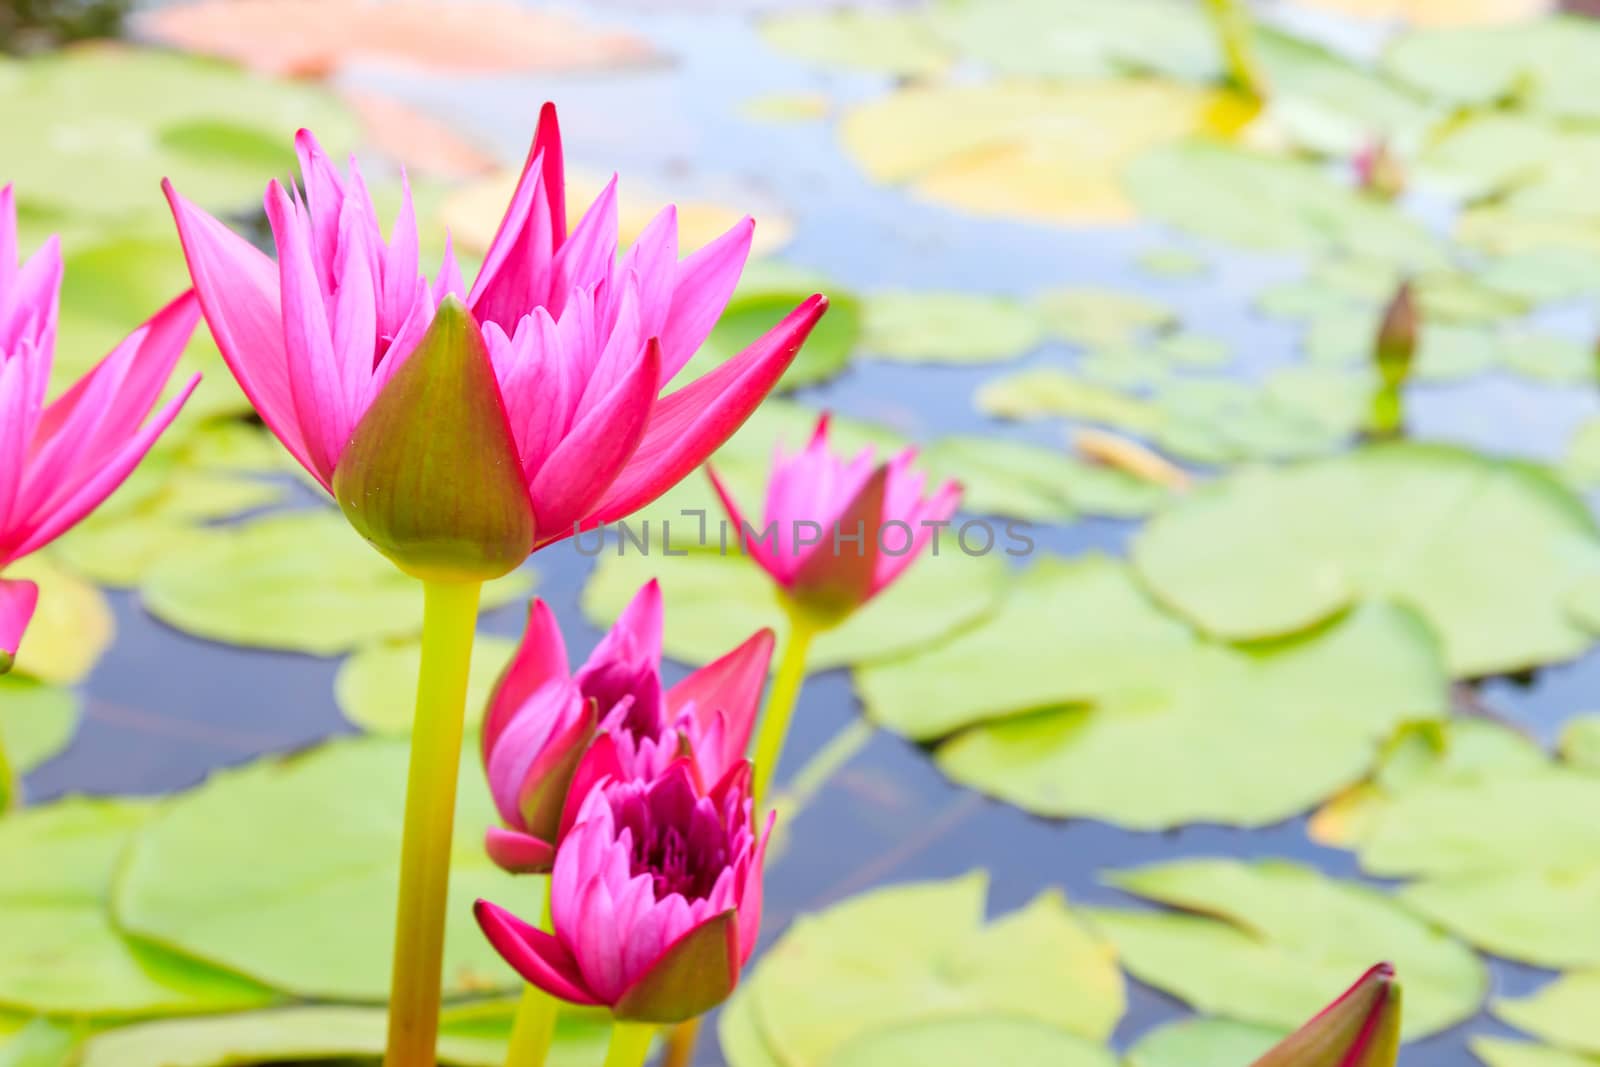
(1280, 639)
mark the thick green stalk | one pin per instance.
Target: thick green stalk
(450, 613)
(535, 1025)
(1235, 33)
(10, 783)
(781, 701)
(630, 1044)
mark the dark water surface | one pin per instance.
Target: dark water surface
(164, 709)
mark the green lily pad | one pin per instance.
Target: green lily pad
(305, 1034)
(299, 875)
(962, 1042)
(1000, 477)
(1272, 942)
(37, 721)
(757, 307)
(1203, 1043)
(1540, 65)
(867, 971)
(948, 327)
(108, 123)
(1580, 741)
(1270, 203)
(1498, 1052)
(37, 1042)
(1551, 358)
(717, 601)
(1561, 1013)
(1172, 263)
(882, 42)
(64, 955)
(1272, 552)
(1095, 318)
(1238, 736)
(300, 581)
(71, 627)
(1581, 464)
(1549, 918)
(1045, 392)
(377, 687)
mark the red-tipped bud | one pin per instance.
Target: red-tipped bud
(1396, 345)
(1360, 1029)
(431, 476)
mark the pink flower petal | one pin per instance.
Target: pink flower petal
(518, 853)
(238, 290)
(690, 424)
(18, 598)
(705, 283)
(541, 656)
(538, 957)
(731, 685)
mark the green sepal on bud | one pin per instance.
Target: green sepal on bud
(691, 977)
(1360, 1029)
(431, 476)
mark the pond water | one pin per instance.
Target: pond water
(163, 709)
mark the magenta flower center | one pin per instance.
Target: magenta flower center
(678, 839)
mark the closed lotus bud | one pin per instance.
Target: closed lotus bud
(431, 476)
(1396, 346)
(1378, 171)
(1360, 1029)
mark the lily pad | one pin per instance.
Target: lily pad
(107, 123)
(717, 601)
(71, 627)
(1561, 1013)
(376, 688)
(881, 42)
(1035, 150)
(1270, 203)
(1273, 552)
(1272, 942)
(1548, 918)
(827, 350)
(37, 721)
(1541, 65)
(64, 955)
(1243, 737)
(962, 1042)
(875, 971)
(305, 1034)
(1203, 1043)
(300, 880)
(1095, 318)
(1000, 477)
(936, 327)
(1498, 1052)
(300, 581)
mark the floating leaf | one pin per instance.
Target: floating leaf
(1543, 65)
(63, 953)
(717, 601)
(37, 721)
(1096, 318)
(319, 37)
(962, 1042)
(1561, 1013)
(1272, 942)
(1040, 151)
(107, 123)
(858, 976)
(1549, 918)
(300, 581)
(883, 42)
(936, 327)
(1243, 737)
(1498, 1052)
(1278, 204)
(376, 688)
(71, 628)
(1271, 552)
(1173, 263)
(753, 312)
(1439, 12)
(315, 1033)
(1000, 477)
(1203, 1043)
(299, 878)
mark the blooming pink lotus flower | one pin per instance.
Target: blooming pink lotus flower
(1360, 1029)
(837, 531)
(542, 719)
(655, 899)
(460, 432)
(58, 461)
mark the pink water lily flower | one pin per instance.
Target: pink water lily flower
(837, 531)
(542, 403)
(1360, 1029)
(542, 719)
(58, 461)
(655, 899)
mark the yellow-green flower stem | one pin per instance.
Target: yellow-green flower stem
(535, 1024)
(630, 1044)
(10, 784)
(449, 621)
(1388, 419)
(775, 718)
(1235, 34)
